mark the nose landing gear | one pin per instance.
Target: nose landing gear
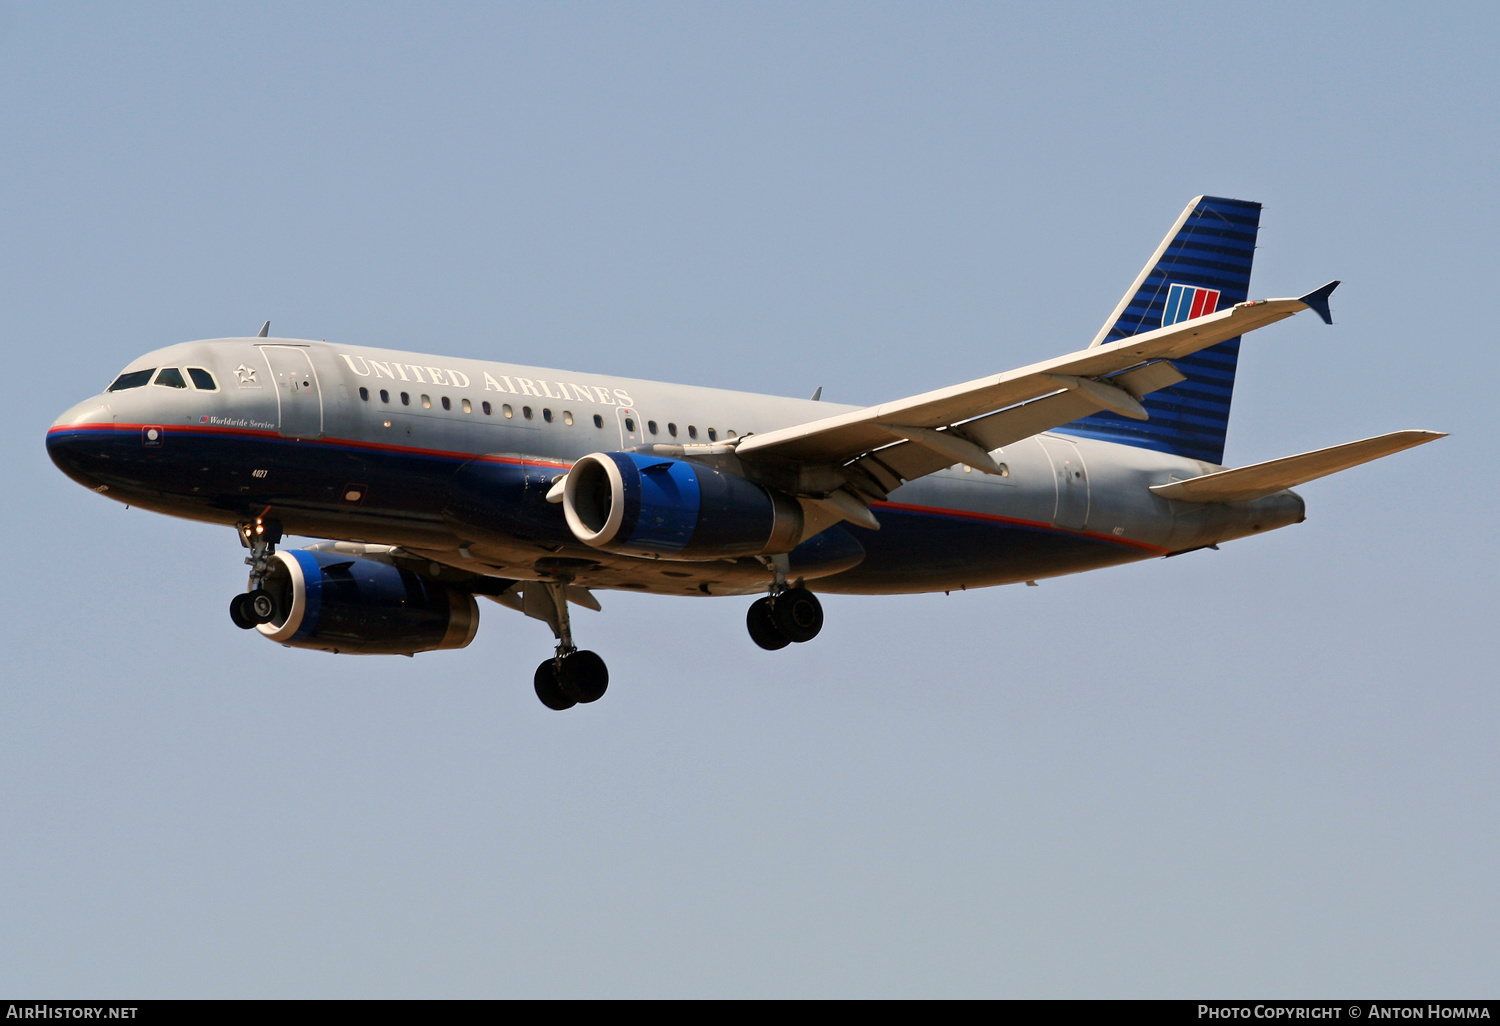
(256, 605)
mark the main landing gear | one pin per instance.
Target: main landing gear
(783, 617)
(256, 605)
(573, 675)
(570, 678)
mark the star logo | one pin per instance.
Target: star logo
(246, 376)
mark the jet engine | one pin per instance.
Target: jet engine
(337, 603)
(644, 505)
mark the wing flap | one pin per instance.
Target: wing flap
(950, 444)
(1245, 483)
(1153, 376)
(1011, 425)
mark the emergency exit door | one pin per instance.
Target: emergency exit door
(1072, 479)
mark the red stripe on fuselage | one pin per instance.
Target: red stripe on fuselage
(961, 514)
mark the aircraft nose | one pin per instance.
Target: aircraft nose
(92, 411)
(69, 439)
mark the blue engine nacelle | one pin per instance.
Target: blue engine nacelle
(338, 603)
(675, 509)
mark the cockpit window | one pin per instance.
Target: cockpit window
(203, 379)
(131, 379)
(171, 377)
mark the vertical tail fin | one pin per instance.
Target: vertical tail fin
(1201, 266)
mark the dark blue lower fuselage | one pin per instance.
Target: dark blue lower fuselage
(422, 498)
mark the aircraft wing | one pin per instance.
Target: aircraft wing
(910, 438)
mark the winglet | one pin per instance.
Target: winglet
(1318, 301)
(265, 329)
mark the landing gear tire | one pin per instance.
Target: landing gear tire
(761, 621)
(253, 608)
(262, 606)
(583, 676)
(548, 689)
(240, 612)
(798, 614)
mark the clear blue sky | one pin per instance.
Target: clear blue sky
(1266, 770)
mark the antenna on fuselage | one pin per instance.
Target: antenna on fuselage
(265, 330)
(818, 394)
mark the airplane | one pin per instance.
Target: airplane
(435, 479)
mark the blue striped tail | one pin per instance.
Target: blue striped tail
(1203, 265)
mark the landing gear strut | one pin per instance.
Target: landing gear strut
(256, 605)
(572, 675)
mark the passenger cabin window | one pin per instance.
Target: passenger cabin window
(598, 421)
(547, 416)
(567, 418)
(509, 413)
(385, 396)
(651, 426)
(486, 407)
(405, 398)
(468, 406)
(526, 412)
(133, 379)
(426, 402)
(202, 379)
(692, 431)
(629, 424)
(446, 404)
(672, 430)
(171, 377)
(713, 436)
(364, 393)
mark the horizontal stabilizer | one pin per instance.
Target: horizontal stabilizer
(1245, 483)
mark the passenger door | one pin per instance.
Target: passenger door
(298, 397)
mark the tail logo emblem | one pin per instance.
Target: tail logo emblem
(1184, 302)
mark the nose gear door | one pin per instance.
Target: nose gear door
(298, 397)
